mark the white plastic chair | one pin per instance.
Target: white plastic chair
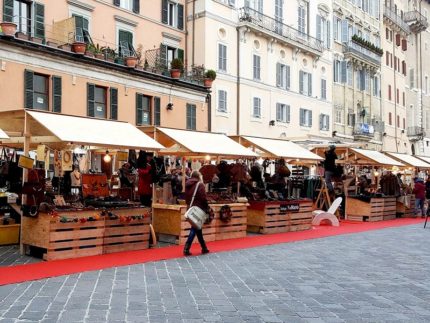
(329, 215)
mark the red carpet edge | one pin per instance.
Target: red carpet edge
(41, 270)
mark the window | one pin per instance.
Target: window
(222, 57)
(283, 76)
(126, 4)
(96, 101)
(404, 123)
(387, 58)
(191, 116)
(113, 103)
(324, 122)
(338, 116)
(257, 5)
(323, 31)
(351, 119)
(390, 118)
(305, 83)
(282, 112)
(222, 101)
(397, 96)
(337, 28)
(167, 54)
(350, 73)
(398, 121)
(305, 118)
(389, 92)
(40, 92)
(37, 91)
(143, 109)
(256, 67)
(82, 29)
(411, 78)
(133, 5)
(125, 43)
(323, 89)
(376, 86)
(403, 99)
(30, 19)
(337, 71)
(172, 14)
(279, 15)
(302, 19)
(256, 108)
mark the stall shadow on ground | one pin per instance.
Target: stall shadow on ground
(41, 270)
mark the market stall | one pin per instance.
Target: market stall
(201, 151)
(55, 222)
(282, 204)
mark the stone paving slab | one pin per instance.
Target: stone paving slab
(374, 276)
(9, 256)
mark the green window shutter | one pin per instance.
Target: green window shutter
(181, 54)
(164, 13)
(39, 18)
(139, 108)
(116, 3)
(180, 16)
(163, 55)
(113, 103)
(157, 111)
(136, 6)
(28, 85)
(7, 10)
(56, 94)
(90, 99)
(188, 116)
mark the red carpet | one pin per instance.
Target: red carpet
(21, 273)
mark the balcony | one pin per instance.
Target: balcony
(363, 132)
(417, 22)
(273, 28)
(361, 55)
(395, 21)
(415, 133)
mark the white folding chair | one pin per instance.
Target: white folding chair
(320, 215)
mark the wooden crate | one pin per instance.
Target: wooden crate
(124, 235)
(9, 234)
(372, 211)
(236, 227)
(390, 208)
(406, 211)
(302, 219)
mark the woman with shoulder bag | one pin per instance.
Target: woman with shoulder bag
(195, 187)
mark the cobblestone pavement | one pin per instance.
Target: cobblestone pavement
(374, 276)
(9, 256)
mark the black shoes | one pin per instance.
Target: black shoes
(205, 250)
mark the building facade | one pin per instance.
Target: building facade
(357, 106)
(273, 64)
(39, 68)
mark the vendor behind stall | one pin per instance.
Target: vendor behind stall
(330, 166)
(145, 179)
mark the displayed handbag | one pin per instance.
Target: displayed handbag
(4, 163)
(225, 213)
(195, 215)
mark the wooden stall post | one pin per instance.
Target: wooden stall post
(27, 139)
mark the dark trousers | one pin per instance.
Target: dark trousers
(145, 200)
(199, 234)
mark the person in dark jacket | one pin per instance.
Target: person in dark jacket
(420, 195)
(144, 186)
(201, 201)
(330, 166)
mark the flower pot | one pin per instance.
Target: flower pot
(175, 74)
(89, 54)
(99, 56)
(8, 28)
(131, 61)
(79, 47)
(208, 82)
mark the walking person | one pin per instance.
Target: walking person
(428, 194)
(420, 195)
(144, 187)
(330, 167)
(201, 201)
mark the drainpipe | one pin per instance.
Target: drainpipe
(395, 97)
(238, 83)
(421, 80)
(186, 35)
(194, 29)
(209, 103)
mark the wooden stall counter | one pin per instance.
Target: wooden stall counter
(279, 216)
(170, 224)
(371, 209)
(406, 206)
(78, 233)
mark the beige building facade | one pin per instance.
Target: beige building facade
(273, 65)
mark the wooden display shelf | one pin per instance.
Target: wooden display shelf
(406, 211)
(378, 209)
(170, 224)
(76, 239)
(273, 217)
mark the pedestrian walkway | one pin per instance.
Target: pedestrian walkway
(373, 276)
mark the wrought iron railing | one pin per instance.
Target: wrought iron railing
(364, 53)
(417, 21)
(272, 25)
(415, 131)
(363, 129)
(396, 19)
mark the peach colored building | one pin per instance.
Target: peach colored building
(39, 69)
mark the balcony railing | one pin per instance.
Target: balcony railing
(362, 53)
(415, 132)
(287, 33)
(391, 15)
(363, 131)
(417, 22)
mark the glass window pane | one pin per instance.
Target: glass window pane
(39, 83)
(100, 95)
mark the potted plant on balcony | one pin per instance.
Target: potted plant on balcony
(8, 28)
(131, 61)
(79, 47)
(98, 53)
(89, 50)
(210, 76)
(109, 54)
(176, 67)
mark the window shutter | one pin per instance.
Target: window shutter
(278, 74)
(7, 10)
(136, 6)
(321, 121)
(56, 94)
(157, 111)
(302, 117)
(301, 82)
(28, 84)
(343, 71)
(310, 118)
(344, 31)
(39, 18)
(180, 16)
(163, 55)
(328, 35)
(397, 39)
(117, 2)
(288, 113)
(319, 31)
(404, 44)
(309, 84)
(113, 103)
(164, 13)
(90, 99)
(287, 77)
(181, 54)
(188, 117)
(278, 112)
(139, 108)
(327, 122)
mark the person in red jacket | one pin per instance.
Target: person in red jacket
(201, 201)
(144, 186)
(420, 196)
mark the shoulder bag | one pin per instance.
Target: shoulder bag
(195, 215)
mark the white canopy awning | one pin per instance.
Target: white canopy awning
(425, 158)
(97, 132)
(3, 135)
(410, 160)
(377, 157)
(280, 148)
(190, 143)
